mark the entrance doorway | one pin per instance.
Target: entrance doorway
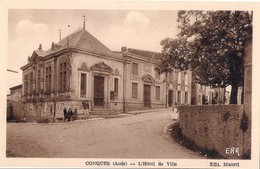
(170, 98)
(147, 96)
(98, 91)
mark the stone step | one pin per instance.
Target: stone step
(98, 114)
(104, 113)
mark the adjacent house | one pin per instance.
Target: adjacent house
(202, 95)
(14, 104)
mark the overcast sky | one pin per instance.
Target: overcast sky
(134, 29)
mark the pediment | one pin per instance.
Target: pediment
(101, 67)
(148, 79)
(34, 57)
(116, 72)
(84, 67)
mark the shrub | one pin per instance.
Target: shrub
(178, 136)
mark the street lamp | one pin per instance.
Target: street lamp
(13, 71)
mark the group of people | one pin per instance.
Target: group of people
(70, 115)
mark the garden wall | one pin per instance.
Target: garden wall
(215, 127)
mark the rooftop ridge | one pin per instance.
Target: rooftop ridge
(141, 50)
(72, 33)
(76, 41)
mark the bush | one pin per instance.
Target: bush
(178, 136)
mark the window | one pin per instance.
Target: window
(134, 90)
(134, 69)
(48, 79)
(63, 77)
(83, 85)
(157, 75)
(39, 81)
(31, 82)
(26, 84)
(115, 88)
(179, 78)
(64, 80)
(186, 78)
(60, 78)
(157, 94)
(186, 97)
(179, 97)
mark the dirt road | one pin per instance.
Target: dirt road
(132, 136)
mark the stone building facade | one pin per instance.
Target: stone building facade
(80, 68)
(14, 104)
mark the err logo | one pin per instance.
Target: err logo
(232, 150)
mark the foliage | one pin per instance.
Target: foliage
(212, 44)
(244, 122)
(176, 133)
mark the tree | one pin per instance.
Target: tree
(212, 44)
(174, 57)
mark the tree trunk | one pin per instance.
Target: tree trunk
(236, 75)
(233, 95)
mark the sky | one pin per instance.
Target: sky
(114, 28)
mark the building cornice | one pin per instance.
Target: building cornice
(26, 66)
(80, 50)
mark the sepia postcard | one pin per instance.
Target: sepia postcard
(129, 84)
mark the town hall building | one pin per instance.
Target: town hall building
(80, 68)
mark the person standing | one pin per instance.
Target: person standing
(75, 113)
(65, 113)
(175, 112)
(70, 113)
(86, 107)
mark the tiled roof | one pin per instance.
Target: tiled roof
(82, 40)
(16, 87)
(146, 54)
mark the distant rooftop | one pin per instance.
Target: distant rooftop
(16, 87)
(143, 53)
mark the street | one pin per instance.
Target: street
(131, 136)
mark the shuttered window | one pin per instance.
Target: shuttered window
(134, 90)
(157, 95)
(116, 88)
(83, 85)
(134, 69)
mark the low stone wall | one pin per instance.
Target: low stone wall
(215, 127)
(132, 106)
(16, 110)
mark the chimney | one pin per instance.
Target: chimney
(124, 49)
(40, 47)
(84, 22)
(52, 46)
